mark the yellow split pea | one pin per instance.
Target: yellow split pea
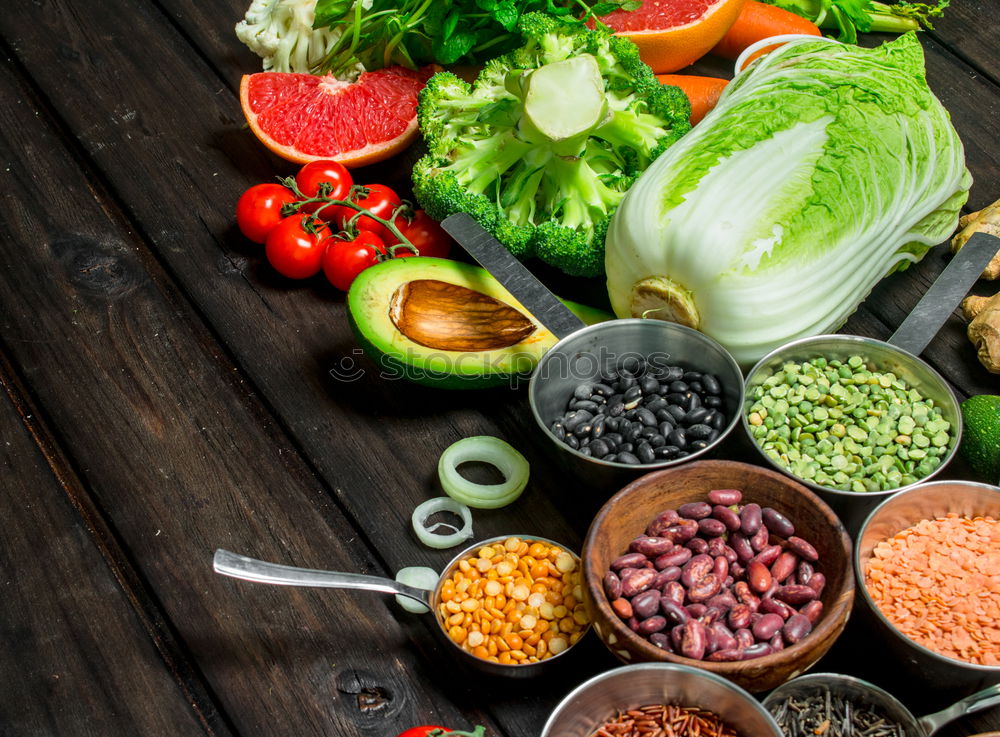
(515, 602)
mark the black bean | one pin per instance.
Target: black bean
(615, 407)
(690, 376)
(717, 419)
(699, 432)
(628, 458)
(584, 404)
(677, 412)
(603, 390)
(577, 418)
(676, 399)
(691, 401)
(666, 427)
(656, 441)
(682, 454)
(630, 413)
(631, 432)
(666, 452)
(696, 387)
(649, 385)
(631, 365)
(611, 424)
(713, 436)
(632, 394)
(646, 417)
(597, 426)
(573, 442)
(678, 437)
(644, 452)
(613, 439)
(559, 430)
(697, 445)
(672, 373)
(625, 448)
(583, 430)
(583, 391)
(599, 448)
(586, 451)
(656, 404)
(647, 432)
(625, 383)
(711, 384)
(610, 458)
(712, 401)
(598, 400)
(698, 415)
(678, 387)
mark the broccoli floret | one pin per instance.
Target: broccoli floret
(541, 149)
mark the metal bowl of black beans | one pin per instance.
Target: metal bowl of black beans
(635, 394)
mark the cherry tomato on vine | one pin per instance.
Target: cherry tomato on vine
(344, 260)
(315, 173)
(426, 234)
(294, 250)
(424, 731)
(258, 210)
(381, 201)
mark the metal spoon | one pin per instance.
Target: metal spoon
(251, 569)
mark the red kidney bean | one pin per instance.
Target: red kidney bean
(770, 605)
(812, 610)
(817, 582)
(768, 555)
(760, 539)
(698, 545)
(663, 520)
(795, 594)
(803, 548)
(675, 636)
(721, 568)
(728, 583)
(683, 531)
(796, 627)
(727, 517)
(612, 586)
(729, 554)
(739, 616)
(758, 576)
(784, 566)
(674, 612)
(724, 638)
(705, 588)
(633, 624)
(725, 656)
(744, 595)
(776, 642)
(711, 527)
(676, 557)
(695, 569)
(766, 627)
(622, 607)
(744, 638)
(666, 576)
(629, 560)
(777, 523)
(661, 641)
(693, 640)
(695, 510)
(756, 651)
(636, 580)
(646, 604)
(724, 601)
(653, 624)
(696, 610)
(736, 570)
(741, 544)
(805, 571)
(725, 496)
(712, 614)
(716, 546)
(674, 591)
(651, 547)
(750, 519)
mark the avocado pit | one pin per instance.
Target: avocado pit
(449, 317)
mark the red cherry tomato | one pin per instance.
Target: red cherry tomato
(344, 260)
(421, 731)
(315, 173)
(293, 251)
(424, 232)
(259, 210)
(381, 201)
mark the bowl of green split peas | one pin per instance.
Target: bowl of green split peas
(853, 418)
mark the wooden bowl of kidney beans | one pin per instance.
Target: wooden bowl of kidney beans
(726, 566)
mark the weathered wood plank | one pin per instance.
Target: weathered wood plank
(183, 458)
(77, 661)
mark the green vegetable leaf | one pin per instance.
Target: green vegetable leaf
(921, 12)
(486, 5)
(449, 26)
(455, 47)
(506, 14)
(329, 12)
(609, 6)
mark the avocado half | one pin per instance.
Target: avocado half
(447, 324)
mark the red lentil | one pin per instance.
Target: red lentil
(938, 582)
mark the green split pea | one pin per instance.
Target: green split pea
(843, 425)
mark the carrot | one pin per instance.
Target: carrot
(703, 92)
(758, 21)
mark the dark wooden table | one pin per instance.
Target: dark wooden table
(166, 394)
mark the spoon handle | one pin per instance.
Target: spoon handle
(980, 700)
(251, 569)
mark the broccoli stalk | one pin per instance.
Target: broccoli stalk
(542, 148)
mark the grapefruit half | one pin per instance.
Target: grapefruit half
(672, 34)
(304, 117)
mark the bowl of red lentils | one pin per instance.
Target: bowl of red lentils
(928, 560)
(512, 604)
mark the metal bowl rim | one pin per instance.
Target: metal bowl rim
(870, 604)
(957, 425)
(688, 670)
(839, 678)
(610, 324)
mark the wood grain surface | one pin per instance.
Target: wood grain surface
(168, 394)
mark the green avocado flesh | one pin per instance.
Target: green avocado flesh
(447, 324)
(981, 439)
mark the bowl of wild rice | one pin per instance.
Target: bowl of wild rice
(648, 699)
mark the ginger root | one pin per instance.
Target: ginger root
(986, 220)
(984, 328)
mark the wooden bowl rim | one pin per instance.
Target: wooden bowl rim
(832, 620)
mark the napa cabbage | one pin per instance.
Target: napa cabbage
(823, 168)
